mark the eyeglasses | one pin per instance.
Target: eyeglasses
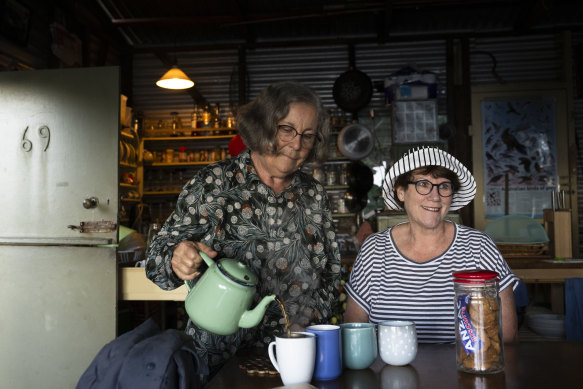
(424, 187)
(288, 133)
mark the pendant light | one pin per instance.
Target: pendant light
(175, 79)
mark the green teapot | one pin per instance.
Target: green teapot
(219, 301)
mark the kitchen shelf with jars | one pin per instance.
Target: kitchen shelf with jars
(169, 161)
(129, 188)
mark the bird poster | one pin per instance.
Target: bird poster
(520, 156)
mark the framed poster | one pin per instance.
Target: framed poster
(520, 149)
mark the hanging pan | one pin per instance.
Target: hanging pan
(352, 91)
(355, 141)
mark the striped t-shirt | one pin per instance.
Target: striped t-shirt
(389, 286)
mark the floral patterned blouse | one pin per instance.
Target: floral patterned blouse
(287, 239)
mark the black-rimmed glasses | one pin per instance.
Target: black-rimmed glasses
(288, 133)
(424, 187)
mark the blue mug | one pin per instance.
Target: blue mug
(328, 351)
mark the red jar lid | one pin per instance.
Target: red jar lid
(182, 148)
(474, 276)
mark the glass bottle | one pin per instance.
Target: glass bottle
(216, 116)
(182, 154)
(194, 118)
(331, 175)
(343, 174)
(319, 174)
(176, 123)
(479, 343)
(206, 117)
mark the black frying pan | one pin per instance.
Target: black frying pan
(353, 89)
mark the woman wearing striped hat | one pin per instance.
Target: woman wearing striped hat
(405, 272)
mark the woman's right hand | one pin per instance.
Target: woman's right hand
(186, 260)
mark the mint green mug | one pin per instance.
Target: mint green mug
(359, 345)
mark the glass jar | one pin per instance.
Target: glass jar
(206, 118)
(176, 123)
(479, 343)
(319, 174)
(343, 174)
(182, 154)
(169, 156)
(331, 175)
(194, 118)
(341, 205)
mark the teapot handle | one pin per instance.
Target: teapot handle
(208, 260)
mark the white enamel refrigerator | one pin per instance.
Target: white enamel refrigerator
(59, 147)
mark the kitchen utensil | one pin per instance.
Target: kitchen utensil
(218, 302)
(360, 178)
(355, 141)
(352, 91)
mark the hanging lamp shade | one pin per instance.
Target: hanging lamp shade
(175, 79)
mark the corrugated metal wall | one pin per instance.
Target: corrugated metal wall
(518, 59)
(317, 67)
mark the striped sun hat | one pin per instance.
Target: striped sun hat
(430, 156)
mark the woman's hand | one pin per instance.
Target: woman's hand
(186, 260)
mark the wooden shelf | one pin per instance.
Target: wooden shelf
(162, 193)
(184, 138)
(176, 164)
(335, 187)
(130, 200)
(131, 186)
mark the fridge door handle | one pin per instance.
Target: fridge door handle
(102, 226)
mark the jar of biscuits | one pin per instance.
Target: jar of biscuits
(479, 345)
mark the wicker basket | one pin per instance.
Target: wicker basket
(523, 250)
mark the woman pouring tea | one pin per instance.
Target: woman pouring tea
(259, 208)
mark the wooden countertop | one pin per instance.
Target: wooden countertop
(527, 365)
(134, 285)
(545, 269)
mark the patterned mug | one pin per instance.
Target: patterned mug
(397, 342)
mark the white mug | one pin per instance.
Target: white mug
(397, 342)
(296, 357)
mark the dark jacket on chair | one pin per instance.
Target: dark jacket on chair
(146, 358)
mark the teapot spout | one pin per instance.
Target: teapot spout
(251, 318)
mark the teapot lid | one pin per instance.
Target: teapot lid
(237, 272)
